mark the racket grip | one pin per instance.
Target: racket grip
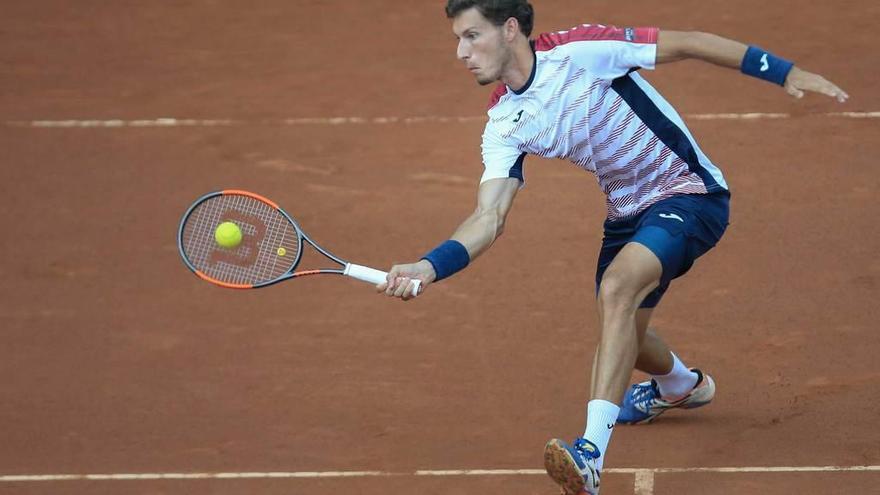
(373, 276)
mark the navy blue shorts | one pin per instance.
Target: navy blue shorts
(678, 230)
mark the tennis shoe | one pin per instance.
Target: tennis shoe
(643, 404)
(573, 467)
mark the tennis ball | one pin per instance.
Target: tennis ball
(228, 235)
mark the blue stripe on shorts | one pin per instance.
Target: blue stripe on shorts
(678, 230)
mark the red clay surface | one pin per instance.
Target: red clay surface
(117, 360)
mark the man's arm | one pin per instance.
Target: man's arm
(475, 234)
(680, 45)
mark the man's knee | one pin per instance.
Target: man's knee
(634, 273)
(618, 291)
(622, 289)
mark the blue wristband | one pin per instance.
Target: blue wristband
(448, 258)
(765, 65)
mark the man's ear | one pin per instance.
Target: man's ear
(511, 29)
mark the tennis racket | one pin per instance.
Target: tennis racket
(270, 249)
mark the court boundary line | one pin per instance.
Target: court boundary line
(638, 472)
(354, 120)
(643, 478)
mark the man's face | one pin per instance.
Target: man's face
(481, 45)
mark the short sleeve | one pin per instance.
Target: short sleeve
(607, 51)
(500, 159)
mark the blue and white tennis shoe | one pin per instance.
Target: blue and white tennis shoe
(573, 467)
(642, 402)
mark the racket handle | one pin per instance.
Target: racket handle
(373, 276)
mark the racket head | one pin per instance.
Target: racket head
(270, 249)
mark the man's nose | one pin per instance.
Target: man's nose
(462, 51)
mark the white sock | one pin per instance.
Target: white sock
(678, 382)
(601, 417)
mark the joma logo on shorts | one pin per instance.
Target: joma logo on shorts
(671, 215)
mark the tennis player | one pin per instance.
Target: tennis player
(579, 95)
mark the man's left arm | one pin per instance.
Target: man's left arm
(751, 60)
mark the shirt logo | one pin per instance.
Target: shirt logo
(629, 34)
(672, 216)
(764, 63)
(518, 116)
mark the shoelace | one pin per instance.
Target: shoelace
(583, 447)
(645, 393)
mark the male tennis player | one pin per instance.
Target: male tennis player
(577, 95)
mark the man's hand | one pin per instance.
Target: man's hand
(398, 283)
(799, 80)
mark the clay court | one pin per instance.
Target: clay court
(124, 373)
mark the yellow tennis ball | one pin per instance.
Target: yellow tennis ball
(282, 251)
(228, 235)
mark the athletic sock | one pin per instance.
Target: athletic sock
(601, 417)
(678, 382)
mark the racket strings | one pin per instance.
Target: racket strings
(269, 247)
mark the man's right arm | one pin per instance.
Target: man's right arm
(476, 234)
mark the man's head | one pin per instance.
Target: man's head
(486, 32)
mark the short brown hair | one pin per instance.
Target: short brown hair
(497, 11)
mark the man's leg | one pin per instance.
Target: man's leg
(637, 260)
(674, 379)
(634, 272)
(655, 357)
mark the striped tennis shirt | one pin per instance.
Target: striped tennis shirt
(585, 103)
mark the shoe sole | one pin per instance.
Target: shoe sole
(562, 468)
(710, 385)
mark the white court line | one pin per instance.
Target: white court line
(643, 474)
(740, 116)
(324, 121)
(856, 115)
(644, 483)
(173, 122)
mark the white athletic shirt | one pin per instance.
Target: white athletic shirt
(584, 103)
